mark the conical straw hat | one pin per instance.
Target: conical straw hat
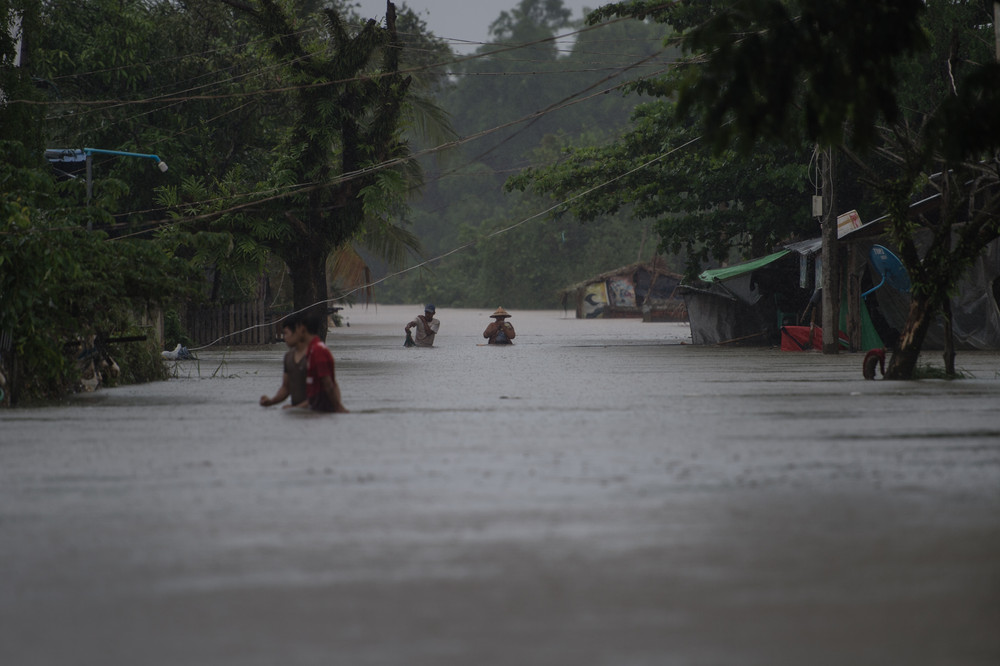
(500, 313)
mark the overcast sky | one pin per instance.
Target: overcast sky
(465, 23)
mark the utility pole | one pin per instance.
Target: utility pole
(996, 25)
(831, 269)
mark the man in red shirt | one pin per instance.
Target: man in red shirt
(293, 380)
(322, 392)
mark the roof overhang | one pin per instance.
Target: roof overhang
(729, 272)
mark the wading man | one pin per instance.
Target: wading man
(293, 381)
(427, 327)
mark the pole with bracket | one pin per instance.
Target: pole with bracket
(161, 165)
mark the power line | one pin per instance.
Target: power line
(303, 188)
(500, 48)
(463, 246)
(530, 118)
(278, 193)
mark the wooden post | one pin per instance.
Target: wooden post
(831, 268)
(265, 331)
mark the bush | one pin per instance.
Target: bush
(139, 362)
(60, 283)
(173, 331)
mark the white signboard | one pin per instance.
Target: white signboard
(847, 223)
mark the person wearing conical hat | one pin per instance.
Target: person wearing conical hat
(500, 332)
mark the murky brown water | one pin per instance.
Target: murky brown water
(596, 494)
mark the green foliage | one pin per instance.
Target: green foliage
(253, 174)
(60, 283)
(522, 73)
(262, 112)
(139, 362)
(525, 266)
(811, 70)
(342, 102)
(912, 80)
(20, 118)
(173, 333)
(964, 125)
(704, 205)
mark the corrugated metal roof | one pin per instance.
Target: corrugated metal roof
(806, 247)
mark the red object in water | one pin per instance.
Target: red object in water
(796, 338)
(875, 358)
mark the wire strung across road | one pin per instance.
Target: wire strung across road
(301, 188)
(459, 248)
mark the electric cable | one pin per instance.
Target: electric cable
(501, 48)
(303, 188)
(461, 247)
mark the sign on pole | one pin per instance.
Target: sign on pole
(847, 223)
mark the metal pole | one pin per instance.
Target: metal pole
(90, 186)
(160, 164)
(90, 177)
(155, 158)
(89, 152)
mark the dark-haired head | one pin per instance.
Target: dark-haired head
(313, 321)
(292, 321)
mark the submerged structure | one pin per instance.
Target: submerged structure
(766, 301)
(644, 290)
(749, 303)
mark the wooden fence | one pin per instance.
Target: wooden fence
(236, 324)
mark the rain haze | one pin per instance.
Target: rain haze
(465, 24)
(608, 489)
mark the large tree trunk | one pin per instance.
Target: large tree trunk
(911, 339)
(309, 289)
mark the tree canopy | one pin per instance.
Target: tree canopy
(343, 125)
(278, 134)
(904, 87)
(513, 103)
(295, 129)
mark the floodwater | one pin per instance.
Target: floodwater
(596, 494)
